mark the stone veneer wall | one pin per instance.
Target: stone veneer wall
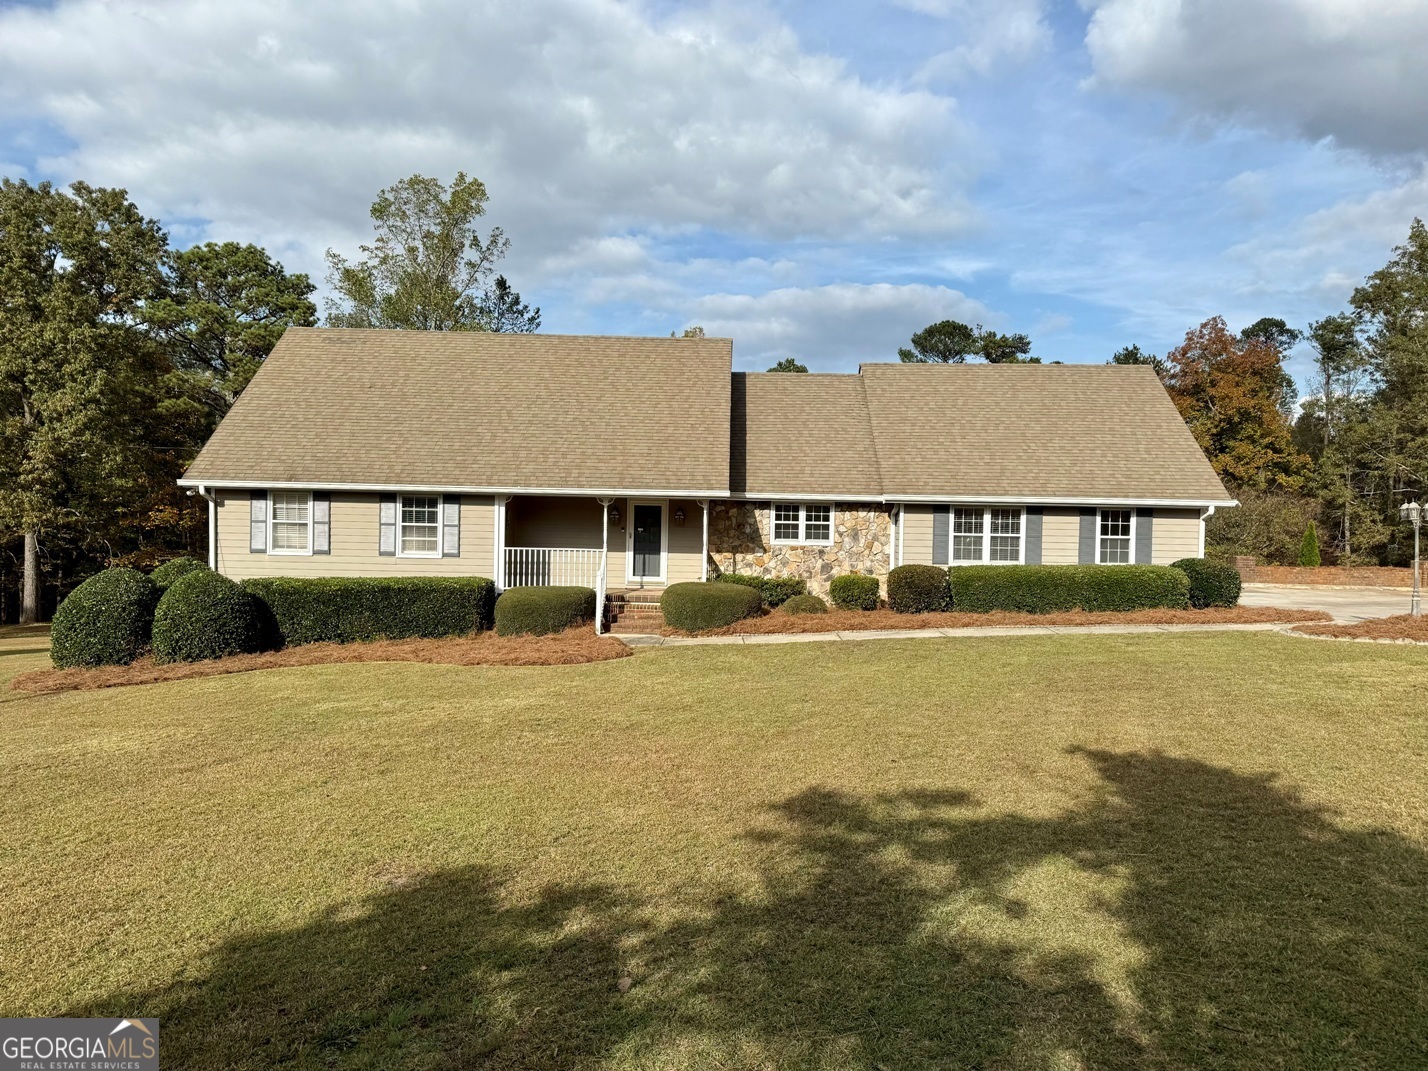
(741, 541)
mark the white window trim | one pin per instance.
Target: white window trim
(985, 559)
(802, 540)
(1130, 558)
(295, 553)
(440, 516)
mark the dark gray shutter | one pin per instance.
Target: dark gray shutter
(1086, 546)
(451, 526)
(941, 535)
(258, 523)
(1144, 535)
(387, 525)
(321, 522)
(1032, 535)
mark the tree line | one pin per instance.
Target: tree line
(119, 354)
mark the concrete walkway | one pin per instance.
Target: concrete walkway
(938, 633)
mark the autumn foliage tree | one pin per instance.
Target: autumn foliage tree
(1229, 389)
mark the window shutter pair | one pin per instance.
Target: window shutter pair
(258, 522)
(1141, 553)
(450, 526)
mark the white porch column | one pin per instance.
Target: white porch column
(604, 564)
(704, 558)
(500, 541)
(895, 536)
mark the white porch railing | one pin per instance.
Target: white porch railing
(573, 566)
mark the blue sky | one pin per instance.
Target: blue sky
(814, 180)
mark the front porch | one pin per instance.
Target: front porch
(617, 546)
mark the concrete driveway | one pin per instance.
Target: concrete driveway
(1346, 604)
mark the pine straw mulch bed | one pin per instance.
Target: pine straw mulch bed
(875, 620)
(1403, 628)
(574, 646)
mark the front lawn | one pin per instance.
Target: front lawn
(1062, 852)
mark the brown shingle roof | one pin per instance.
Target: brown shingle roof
(479, 410)
(801, 434)
(1033, 431)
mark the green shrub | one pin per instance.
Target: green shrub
(695, 607)
(106, 621)
(205, 615)
(804, 604)
(918, 589)
(854, 592)
(1211, 583)
(1044, 589)
(774, 590)
(536, 611)
(1309, 548)
(170, 571)
(361, 609)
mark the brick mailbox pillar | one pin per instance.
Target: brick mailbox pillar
(1244, 565)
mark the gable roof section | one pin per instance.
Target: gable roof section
(479, 411)
(796, 434)
(1089, 432)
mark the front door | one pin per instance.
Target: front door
(646, 542)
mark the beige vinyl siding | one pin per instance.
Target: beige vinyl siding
(916, 535)
(686, 542)
(1176, 535)
(354, 543)
(1060, 536)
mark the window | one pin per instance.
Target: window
(420, 535)
(290, 524)
(793, 523)
(990, 534)
(1114, 545)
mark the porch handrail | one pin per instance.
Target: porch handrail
(572, 566)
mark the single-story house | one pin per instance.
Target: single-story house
(624, 463)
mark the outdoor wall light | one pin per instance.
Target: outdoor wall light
(678, 514)
(614, 514)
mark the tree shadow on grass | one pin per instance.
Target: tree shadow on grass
(1185, 917)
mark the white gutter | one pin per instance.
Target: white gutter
(1044, 500)
(449, 489)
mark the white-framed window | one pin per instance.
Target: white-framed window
(987, 534)
(1115, 537)
(290, 522)
(795, 523)
(419, 526)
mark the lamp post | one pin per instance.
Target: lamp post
(1412, 512)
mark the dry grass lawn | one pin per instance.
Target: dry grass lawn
(1062, 852)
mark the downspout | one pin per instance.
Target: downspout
(1209, 512)
(205, 493)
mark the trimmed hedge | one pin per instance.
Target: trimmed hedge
(918, 589)
(204, 615)
(1211, 583)
(695, 607)
(361, 609)
(774, 590)
(855, 591)
(1044, 589)
(536, 611)
(170, 571)
(106, 621)
(804, 604)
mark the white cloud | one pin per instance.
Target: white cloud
(1350, 70)
(829, 327)
(992, 32)
(278, 120)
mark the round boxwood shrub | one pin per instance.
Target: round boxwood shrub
(855, 591)
(919, 589)
(804, 604)
(1211, 583)
(170, 571)
(205, 615)
(776, 590)
(695, 607)
(106, 621)
(536, 611)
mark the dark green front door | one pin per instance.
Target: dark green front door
(647, 521)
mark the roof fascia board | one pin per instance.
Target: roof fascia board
(449, 489)
(1047, 500)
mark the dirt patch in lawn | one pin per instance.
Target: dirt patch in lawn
(1398, 627)
(868, 620)
(572, 647)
